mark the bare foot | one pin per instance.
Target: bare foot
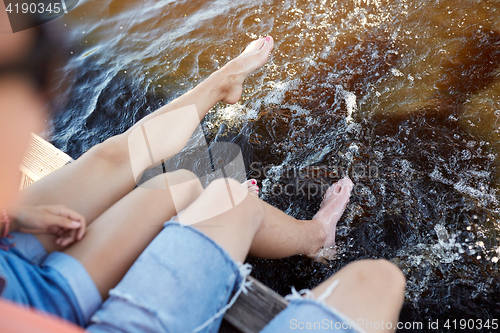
(252, 186)
(235, 72)
(332, 208)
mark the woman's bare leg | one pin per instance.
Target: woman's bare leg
(120, 234)
(103, 175)
(370, 292)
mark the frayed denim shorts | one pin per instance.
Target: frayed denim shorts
(184, 282)
(55, 283)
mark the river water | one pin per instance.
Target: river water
(402, 96)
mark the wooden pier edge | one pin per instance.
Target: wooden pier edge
(251, 312)
(40, 159)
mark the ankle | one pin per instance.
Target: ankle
(222, 83)
(318, 233)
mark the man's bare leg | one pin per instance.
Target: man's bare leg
(272, 233)
(370, 292)
(319, 232)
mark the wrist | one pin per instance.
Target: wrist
(5, 223)
(13, 225)
(11, 216)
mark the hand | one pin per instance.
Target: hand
(67, 225)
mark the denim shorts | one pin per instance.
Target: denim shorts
(182, 282)
(55, 283)
(308, 315)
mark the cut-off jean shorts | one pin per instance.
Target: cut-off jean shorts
(183, 281)
(55, 283)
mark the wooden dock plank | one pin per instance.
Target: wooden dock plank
(40, 159)
(250, 313)
(25, 181)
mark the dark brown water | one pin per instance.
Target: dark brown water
(402, 96)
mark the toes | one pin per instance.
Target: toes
(262, 44)
(268, 44)
(254, 190)
(248, 183)
(266, 47)
(252, 186)
(254, 46)
(342, 194)
(337, 197)
(343, 186)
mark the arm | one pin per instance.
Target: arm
(68, 225)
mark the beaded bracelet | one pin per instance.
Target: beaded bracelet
(5, 234)
(6, 222)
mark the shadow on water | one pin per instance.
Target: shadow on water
(393, 94)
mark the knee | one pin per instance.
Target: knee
(382, 276)
(113, 151)
(240, 196)
(222, 186)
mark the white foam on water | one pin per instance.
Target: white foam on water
(396, 72)
(441, 232)
(481, 174)
(350, 101)
(299, 111)
(437, 176)
(238, 113)
(354, 148)
(317, 156)
(276, 91)
(465, 189)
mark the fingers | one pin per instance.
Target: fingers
(81, 232)
(72, 220)
(67, 225)
(67, 213)
(67, 238)
(62, 222)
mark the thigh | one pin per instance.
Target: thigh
(310, 316)
(364, 296)
(89, 185)
(118, 236)
(370, 292)
(181, 282)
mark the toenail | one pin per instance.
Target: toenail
(338, 188)
(254, 182)
(268, 39)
